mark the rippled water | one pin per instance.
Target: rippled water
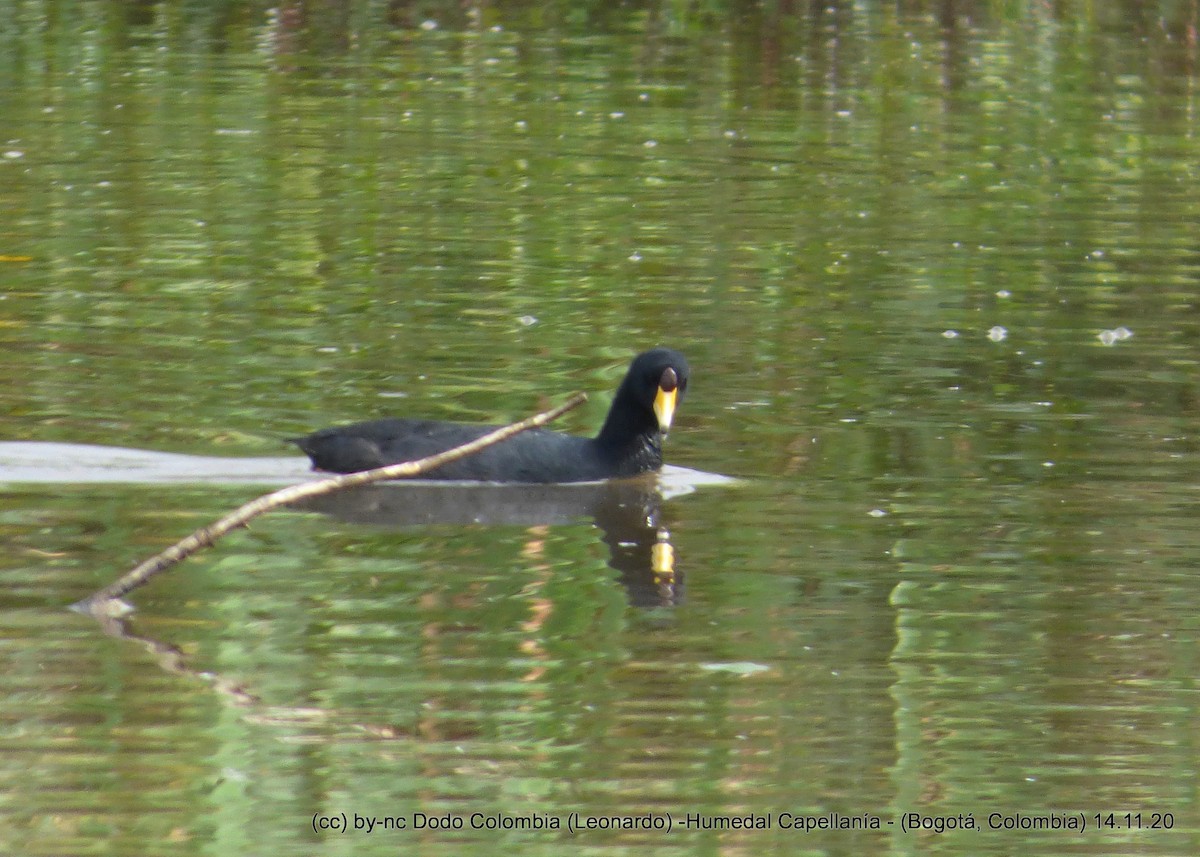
(936, 279)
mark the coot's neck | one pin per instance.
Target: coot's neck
(630, 431)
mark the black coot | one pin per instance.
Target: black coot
(630, 442)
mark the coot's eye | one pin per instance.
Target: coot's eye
(669, 380)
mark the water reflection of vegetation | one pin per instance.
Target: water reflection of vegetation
(234, 221)
(824, 174)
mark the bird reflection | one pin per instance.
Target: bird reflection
(626, 511)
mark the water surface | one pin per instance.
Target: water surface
(935, 272)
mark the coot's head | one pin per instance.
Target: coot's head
(658, 380)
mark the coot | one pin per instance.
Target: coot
(630, 441)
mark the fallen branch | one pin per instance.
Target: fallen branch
(106, 601)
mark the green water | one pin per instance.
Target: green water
(935, 271)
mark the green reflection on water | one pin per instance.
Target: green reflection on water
(963, 558)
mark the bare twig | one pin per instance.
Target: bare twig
(106, 601)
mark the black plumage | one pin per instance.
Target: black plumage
(629, 442)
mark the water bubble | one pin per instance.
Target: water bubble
(1112, 337)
